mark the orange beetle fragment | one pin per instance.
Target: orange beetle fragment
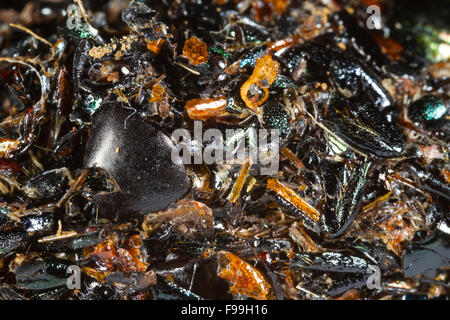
(191, 218)
(397, 231)
(7, 146)
(155, 45)
(111, 257)
(9, 165)
(204, 109)
(196, 51)
(245, 278)
(278, 5)
(388, 46)
(106, 253)
(157, 93)
(446, 175)
(283, 43)
(255, 91)
(291, 196)
(351, 294)
(293, 158)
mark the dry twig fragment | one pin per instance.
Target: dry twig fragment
(237, 187)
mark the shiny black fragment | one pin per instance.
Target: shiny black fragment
(12, 239)
(346, 202)
(429, 255)
(138, 156)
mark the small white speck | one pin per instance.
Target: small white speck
(125, 71)
(46, 11)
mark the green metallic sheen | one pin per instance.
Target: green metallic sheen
(428, 108)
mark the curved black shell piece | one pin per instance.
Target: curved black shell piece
(428, 110)
(342, 283)
(339, 214)
(49, 185)
(39, 222)
(9, 294)
(430, 181)
(138, 157)
(360, 39)
(138, 15)
(330, 262)
(379, 255)
(11, 239)
(349, 73)
(167, 290)
(367, 130)
(429, 255)
(41, 275)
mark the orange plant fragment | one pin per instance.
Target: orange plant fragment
(195, 50)
(245, 279)
(204, 109)
(255, 91)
